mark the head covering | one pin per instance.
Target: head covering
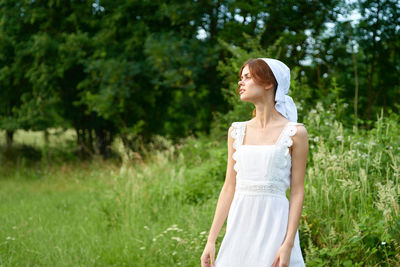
(284, 103)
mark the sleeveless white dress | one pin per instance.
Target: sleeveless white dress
(258, 216)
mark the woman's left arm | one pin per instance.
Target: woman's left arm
(299, 158)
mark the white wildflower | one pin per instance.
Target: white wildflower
(142, 248)
(146, 227)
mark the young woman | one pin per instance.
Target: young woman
(266, 155)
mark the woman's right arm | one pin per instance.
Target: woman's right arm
(226, 195)
(223, 206)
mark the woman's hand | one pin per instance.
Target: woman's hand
(207, 258)
(282, 256)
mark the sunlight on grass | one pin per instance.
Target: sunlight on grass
(157, 211)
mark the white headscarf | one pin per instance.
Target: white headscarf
(284, 103)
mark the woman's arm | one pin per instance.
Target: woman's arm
(226, 195)
(299, 159)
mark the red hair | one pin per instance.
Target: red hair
(261, 74)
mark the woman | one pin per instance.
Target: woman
(265, 155)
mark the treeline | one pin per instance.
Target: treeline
(138, 68)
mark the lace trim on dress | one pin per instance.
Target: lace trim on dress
(237, 134)
(289, 131)
(258, 188)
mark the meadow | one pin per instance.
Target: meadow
(154, 208)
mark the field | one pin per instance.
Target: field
(56, 210)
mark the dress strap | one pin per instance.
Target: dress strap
(287, 132)
(238, 135)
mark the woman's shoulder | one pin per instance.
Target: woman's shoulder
(298, 132)
(298, 127)
(296, 123)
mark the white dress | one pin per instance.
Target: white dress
(258, 216)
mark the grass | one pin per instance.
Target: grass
(98, 213)
(157, 212)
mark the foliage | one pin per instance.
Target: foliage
(134, 69)
(157, 210)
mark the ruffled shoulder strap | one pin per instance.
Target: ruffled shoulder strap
(238, 133)
(290, 129)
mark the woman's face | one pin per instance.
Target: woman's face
(249, 90)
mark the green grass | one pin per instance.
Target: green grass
(100, 213)
(157, 212)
